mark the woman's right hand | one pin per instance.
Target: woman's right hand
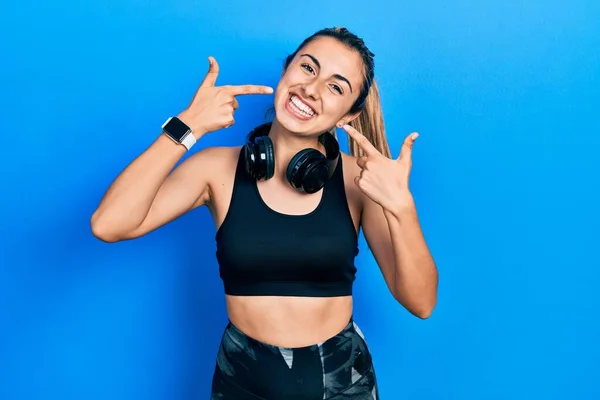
(212, 107)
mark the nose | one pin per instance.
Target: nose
(310, 89)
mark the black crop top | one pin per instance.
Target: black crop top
(262, 252)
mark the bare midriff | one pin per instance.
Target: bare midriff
(287, 321)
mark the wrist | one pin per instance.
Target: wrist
(198, 132)
(179, 131)
(402, 208)
(166, 143)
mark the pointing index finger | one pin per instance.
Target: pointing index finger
(250, 89)
(361, 140)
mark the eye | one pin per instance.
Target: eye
(337, 88)
(308, 67)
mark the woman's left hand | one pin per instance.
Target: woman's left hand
(383, 180)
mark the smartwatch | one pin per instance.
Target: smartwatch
(179, 132)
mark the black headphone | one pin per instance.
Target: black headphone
(307, 171)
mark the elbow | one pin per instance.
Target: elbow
(101, 230)
(424, 312)
(425, 302)
(427, 306)
(422, 308)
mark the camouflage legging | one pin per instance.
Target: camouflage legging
(338, 369)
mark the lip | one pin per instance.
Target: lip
(299, 116)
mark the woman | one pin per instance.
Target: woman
(287, 220)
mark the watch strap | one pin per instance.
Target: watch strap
(188, 141)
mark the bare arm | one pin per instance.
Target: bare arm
(399, 247)
(392, 228)
(149, 193)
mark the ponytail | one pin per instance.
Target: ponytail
(370, 123)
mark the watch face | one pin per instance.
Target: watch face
(176, 129)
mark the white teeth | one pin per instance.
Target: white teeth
(301, 107)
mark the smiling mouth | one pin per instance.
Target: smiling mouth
(299, 108)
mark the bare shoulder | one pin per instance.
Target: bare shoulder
(217, 162)
(204, 169)
(222, 157)
(353, 193)
(351, 171)
(219, 165)
(351, 168)
(216, 156)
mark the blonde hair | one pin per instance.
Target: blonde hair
(370, 123)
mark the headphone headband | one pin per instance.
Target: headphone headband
(261, 130)
(332, 151)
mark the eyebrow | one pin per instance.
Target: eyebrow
(337, 76)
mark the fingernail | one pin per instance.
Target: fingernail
(414, 136)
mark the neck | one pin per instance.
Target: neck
(286, 144)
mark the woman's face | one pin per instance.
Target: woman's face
(319, 87)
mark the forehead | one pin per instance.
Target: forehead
(335, 58)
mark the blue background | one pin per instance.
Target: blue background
(504, 94)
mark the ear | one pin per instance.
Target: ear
(347, 119)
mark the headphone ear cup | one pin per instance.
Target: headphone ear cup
(269, 157)
(259, 157)
(249, 158)
(307, 171)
